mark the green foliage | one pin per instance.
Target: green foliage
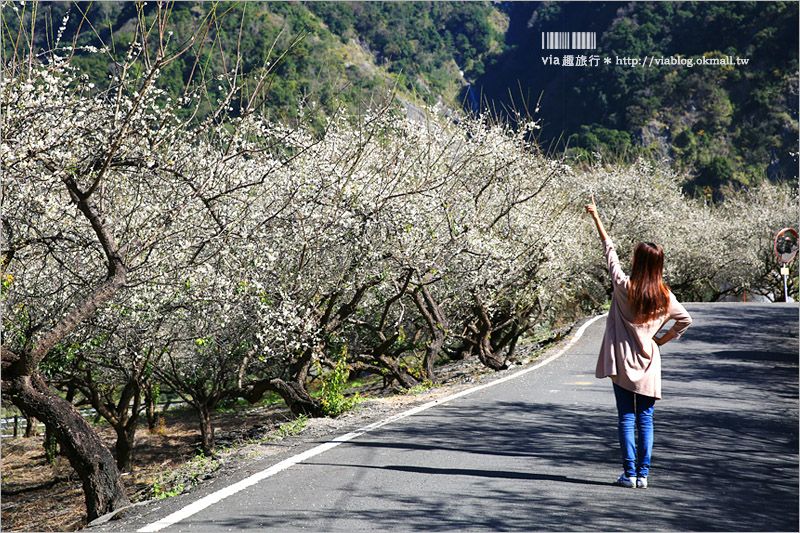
(746, 114)
(420, 387)
(234, 405)
(370, 379)
(176, 481)
(423, 45)
(342, 54)
(714, 170)
(160, 491)
(418, 38)
(270, 398)
(610, 144)
(293, 427)
(334, 383)
(231, 405)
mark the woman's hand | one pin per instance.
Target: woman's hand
(665, 338)
(591, 208)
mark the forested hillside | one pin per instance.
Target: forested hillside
(720, 124)
(333, 54)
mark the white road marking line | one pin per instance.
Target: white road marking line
(221, 494)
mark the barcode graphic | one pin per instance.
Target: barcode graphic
(574, 40)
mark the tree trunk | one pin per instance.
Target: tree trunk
(487, 356)
(403, 377)
(437, 325)
(50, 446)
(125, 445)
(385, 358)
(71, 390)
(293, 393)
(91, 460)
(152, 415)
(206, 428)
(297, 398)
(431, 356)
(463, 351)
(483, 336)
(129, 420)
(512, 347)
(123, 415)
(30, 427)
(22, 382)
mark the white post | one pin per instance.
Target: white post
(785, 272)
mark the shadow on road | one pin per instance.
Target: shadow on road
(757, 328)
(499, 474)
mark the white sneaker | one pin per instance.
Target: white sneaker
(641, 482)
(625, 481)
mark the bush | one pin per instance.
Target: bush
(334, 383)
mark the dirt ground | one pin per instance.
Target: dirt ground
(38, 496)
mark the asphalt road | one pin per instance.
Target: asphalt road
(539, 452)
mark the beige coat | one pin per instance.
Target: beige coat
(628, 354)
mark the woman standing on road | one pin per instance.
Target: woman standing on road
(640, 305)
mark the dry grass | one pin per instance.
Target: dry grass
(38, 496)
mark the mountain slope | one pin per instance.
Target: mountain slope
(720, 124)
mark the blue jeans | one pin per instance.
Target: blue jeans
(635, 419)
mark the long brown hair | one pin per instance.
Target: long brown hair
(648, 296)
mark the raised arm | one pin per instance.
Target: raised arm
(618, 276)
(601, 230)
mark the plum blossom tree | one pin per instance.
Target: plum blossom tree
(399, 222)
(104, 193)
(108, 362)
